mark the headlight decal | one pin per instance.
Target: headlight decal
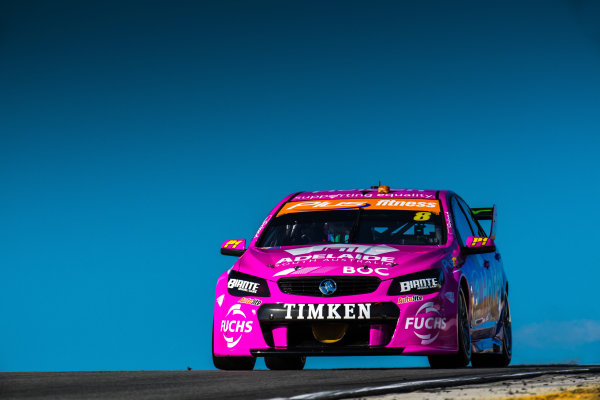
(240, 284)
(423, 282)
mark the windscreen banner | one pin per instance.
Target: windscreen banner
(368, 204)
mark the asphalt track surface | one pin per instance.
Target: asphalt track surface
(228, 385)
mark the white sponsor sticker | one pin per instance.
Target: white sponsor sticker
(233, 327)
(426, 328)
(328, 311)
(348, 248)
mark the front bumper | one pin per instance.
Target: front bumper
(375, 324)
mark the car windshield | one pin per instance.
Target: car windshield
(355, 226)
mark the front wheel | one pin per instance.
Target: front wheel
(285, 362)
(232, 363)
(463, 356)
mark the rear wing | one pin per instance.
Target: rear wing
(486, 214)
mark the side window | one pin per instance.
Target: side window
(461, 223)
(474, 225)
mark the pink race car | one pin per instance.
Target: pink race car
(365, 272)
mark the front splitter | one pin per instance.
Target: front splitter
(327, 352)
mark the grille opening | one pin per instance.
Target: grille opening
(329, 332)
(346, 285)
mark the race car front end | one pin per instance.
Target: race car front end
(368, 305)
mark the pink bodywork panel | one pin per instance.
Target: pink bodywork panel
(427, 323)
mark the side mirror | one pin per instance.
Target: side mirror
(233, 247)
(479, 245)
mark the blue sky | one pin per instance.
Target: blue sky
(136, 136)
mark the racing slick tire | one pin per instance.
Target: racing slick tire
(498, 360)
(232, 363)
(463, 356)
(285, 362)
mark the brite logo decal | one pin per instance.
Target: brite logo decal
(426, 328)
(244, 286)
(234, 328)
(419, 284)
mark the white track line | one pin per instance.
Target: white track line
(414, 385)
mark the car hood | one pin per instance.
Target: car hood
(383, 261)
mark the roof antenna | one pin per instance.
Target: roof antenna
(376, 187)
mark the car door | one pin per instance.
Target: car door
(493, 265)
(477, 270)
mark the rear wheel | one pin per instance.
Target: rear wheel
(463, 356)
(502, 359)
(285, 362)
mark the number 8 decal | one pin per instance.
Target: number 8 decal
(422, 216)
